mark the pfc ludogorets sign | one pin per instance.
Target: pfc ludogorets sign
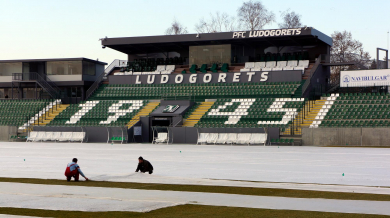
(267, 33)
(242, 77)
(364, 78)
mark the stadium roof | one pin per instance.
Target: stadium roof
(306, 36)
(52, 59)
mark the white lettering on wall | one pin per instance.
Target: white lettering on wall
(179, 78)
(137, 81)
(151, 79)
(164, 79)
(193, 78)
(236, 77)
(250, 74)
(222, 77)
(207, 78)
(264, 76)
(239, 34)
(265, 33)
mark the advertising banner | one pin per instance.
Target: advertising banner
(365, 78)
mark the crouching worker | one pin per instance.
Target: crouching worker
(144, 166)
(73, 170)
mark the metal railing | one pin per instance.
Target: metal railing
(296, 123)
(94, 86)
(53, 91)
(51, 83)
(313, 71)
(177, 96)
(115, 63)
(101, 77)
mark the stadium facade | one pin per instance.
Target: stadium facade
(245, 87)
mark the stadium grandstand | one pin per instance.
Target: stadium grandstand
(250, 87)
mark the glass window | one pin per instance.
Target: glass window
(210, 54)
(7, 69)
(64, 67)
(89, 68)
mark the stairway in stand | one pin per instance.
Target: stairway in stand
(197, 114)
(50, 115)
(145, 111)
(308, 119)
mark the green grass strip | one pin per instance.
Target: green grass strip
(210, 189)
(188, 211)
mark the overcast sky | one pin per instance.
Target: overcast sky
(31, 29)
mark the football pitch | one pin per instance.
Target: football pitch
(194, 181)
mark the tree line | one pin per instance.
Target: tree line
(253, 15)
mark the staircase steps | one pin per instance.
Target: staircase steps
(308, 119)
(306, 73)
(145, 111)
(46, 118)
(197, 114)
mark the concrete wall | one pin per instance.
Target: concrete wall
(7, 79)
(346, 136)
(6, 131)
(57, 78)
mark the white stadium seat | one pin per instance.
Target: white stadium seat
(160, 68)
(269, 65)
(280, 65)
(248, 67)
(258, 66)
(290, 65)
(169, 69)
(303, 64)
(162, 137)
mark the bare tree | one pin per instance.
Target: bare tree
(176, 29)
(220, 22)
(373, 64)
(290, 19)
(254, 15)
(347, 49)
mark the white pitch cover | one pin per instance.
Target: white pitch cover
(364, 78)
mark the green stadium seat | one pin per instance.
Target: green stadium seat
(225, 67)
(193, 68)
(203, 68)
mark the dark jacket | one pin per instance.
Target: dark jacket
(144, 166)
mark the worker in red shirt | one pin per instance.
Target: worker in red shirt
(73, 170)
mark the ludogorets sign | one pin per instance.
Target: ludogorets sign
(242, 77)
(267, 33)
(364, 78)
